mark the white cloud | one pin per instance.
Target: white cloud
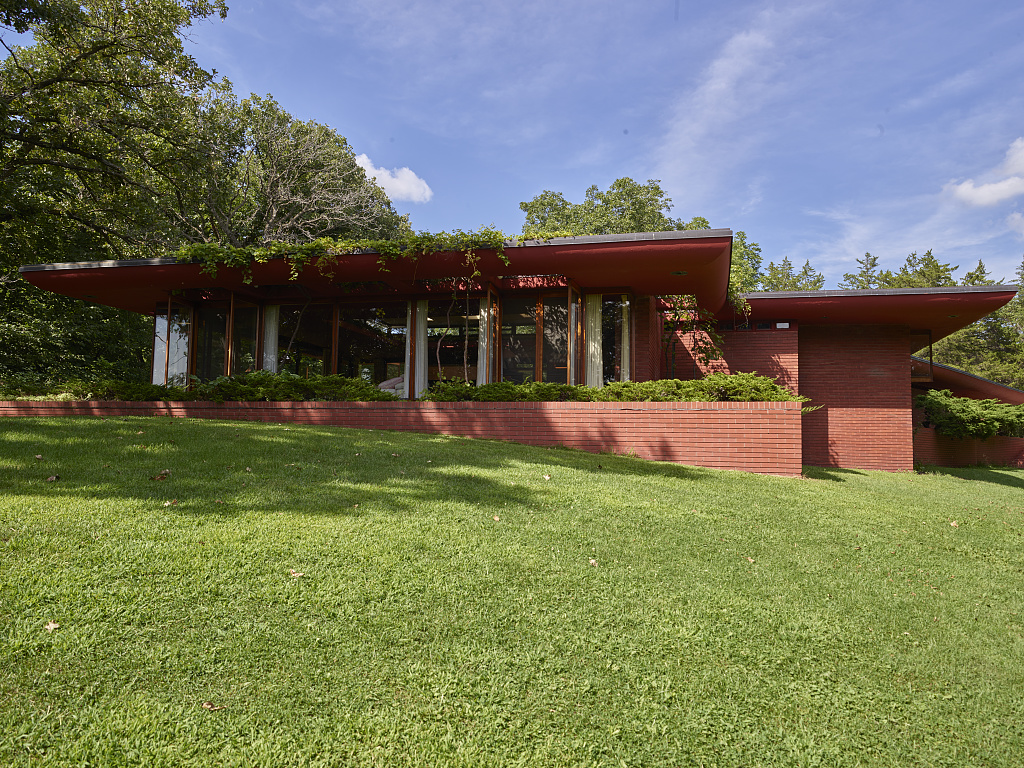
(399, 183)
(1000, 189)
(717, 126)
(1015, 221)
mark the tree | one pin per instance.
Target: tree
(626, 206)
(96, 120)
(863, 279)
(919, 272)
(782, 277)
(279, 179)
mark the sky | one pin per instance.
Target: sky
(822, 129)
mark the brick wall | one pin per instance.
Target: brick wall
(933, 448)
(768, 352)
(752, 437)
(862, 376)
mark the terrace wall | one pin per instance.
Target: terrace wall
(751, 437)
(932, 448)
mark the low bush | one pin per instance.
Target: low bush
(251, 387)
(964, 417)
(716, 387)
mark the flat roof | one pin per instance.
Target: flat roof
(646, 263)
(939, 311)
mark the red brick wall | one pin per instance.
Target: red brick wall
(770, 353)
(861, 375)
(753, 437)
(933, 448)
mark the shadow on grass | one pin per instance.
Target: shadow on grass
(835, 474)
(222, 469)
(998, 475)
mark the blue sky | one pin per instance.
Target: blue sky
(822, 129)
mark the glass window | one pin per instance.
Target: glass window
(170, 367)
(518, 339)
(371, 342)
(304, 339)
(243, 338)
(555, 352)
(211, 341)
(453, 335)
(614, 338)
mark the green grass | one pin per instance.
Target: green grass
(480, 603)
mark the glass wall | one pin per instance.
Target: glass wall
(614, 338)
(304, 339)
(555, 351)
(453, 338)
(170, 346)
(372, 340)
(244, 338)
(211, 340)
(519, 339)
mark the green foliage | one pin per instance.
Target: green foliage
(324, 253)
(965, 417)
(244, 387)
(783, 277)
(49, 337)
(626, 206)
(919, 272)
(715, 387)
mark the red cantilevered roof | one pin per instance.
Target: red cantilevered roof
(940, 311)
(653, 263)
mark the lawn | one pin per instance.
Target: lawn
(193, 593)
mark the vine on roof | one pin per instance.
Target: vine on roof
(325, 253)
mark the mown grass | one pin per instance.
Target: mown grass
(479, 603)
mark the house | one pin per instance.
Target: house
(580, 310)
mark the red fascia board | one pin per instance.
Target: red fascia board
(667, 265)
(941, 311)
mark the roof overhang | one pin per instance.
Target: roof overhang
(653, 263)
(940, 311)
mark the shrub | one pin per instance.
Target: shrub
(965, 417)
(717, 387)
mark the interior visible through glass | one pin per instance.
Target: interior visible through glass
(518, 339)
(304, 339)
(371, 342)
(453, 333)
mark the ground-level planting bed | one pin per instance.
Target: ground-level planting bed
(304, 595)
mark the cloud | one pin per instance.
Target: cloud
(1000, 189)
(1015, 221)
(399, 183)
(718, 125)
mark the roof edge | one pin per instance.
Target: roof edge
(632, 237)
(881, 292)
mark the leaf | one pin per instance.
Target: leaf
(53, 478)
(162, 475)
(955, 524)
(39, 457)
(209, 705)
(547, 477)
(496, 518)
(295, 574)
(593, 562)
(750, 559)
(51, 625)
